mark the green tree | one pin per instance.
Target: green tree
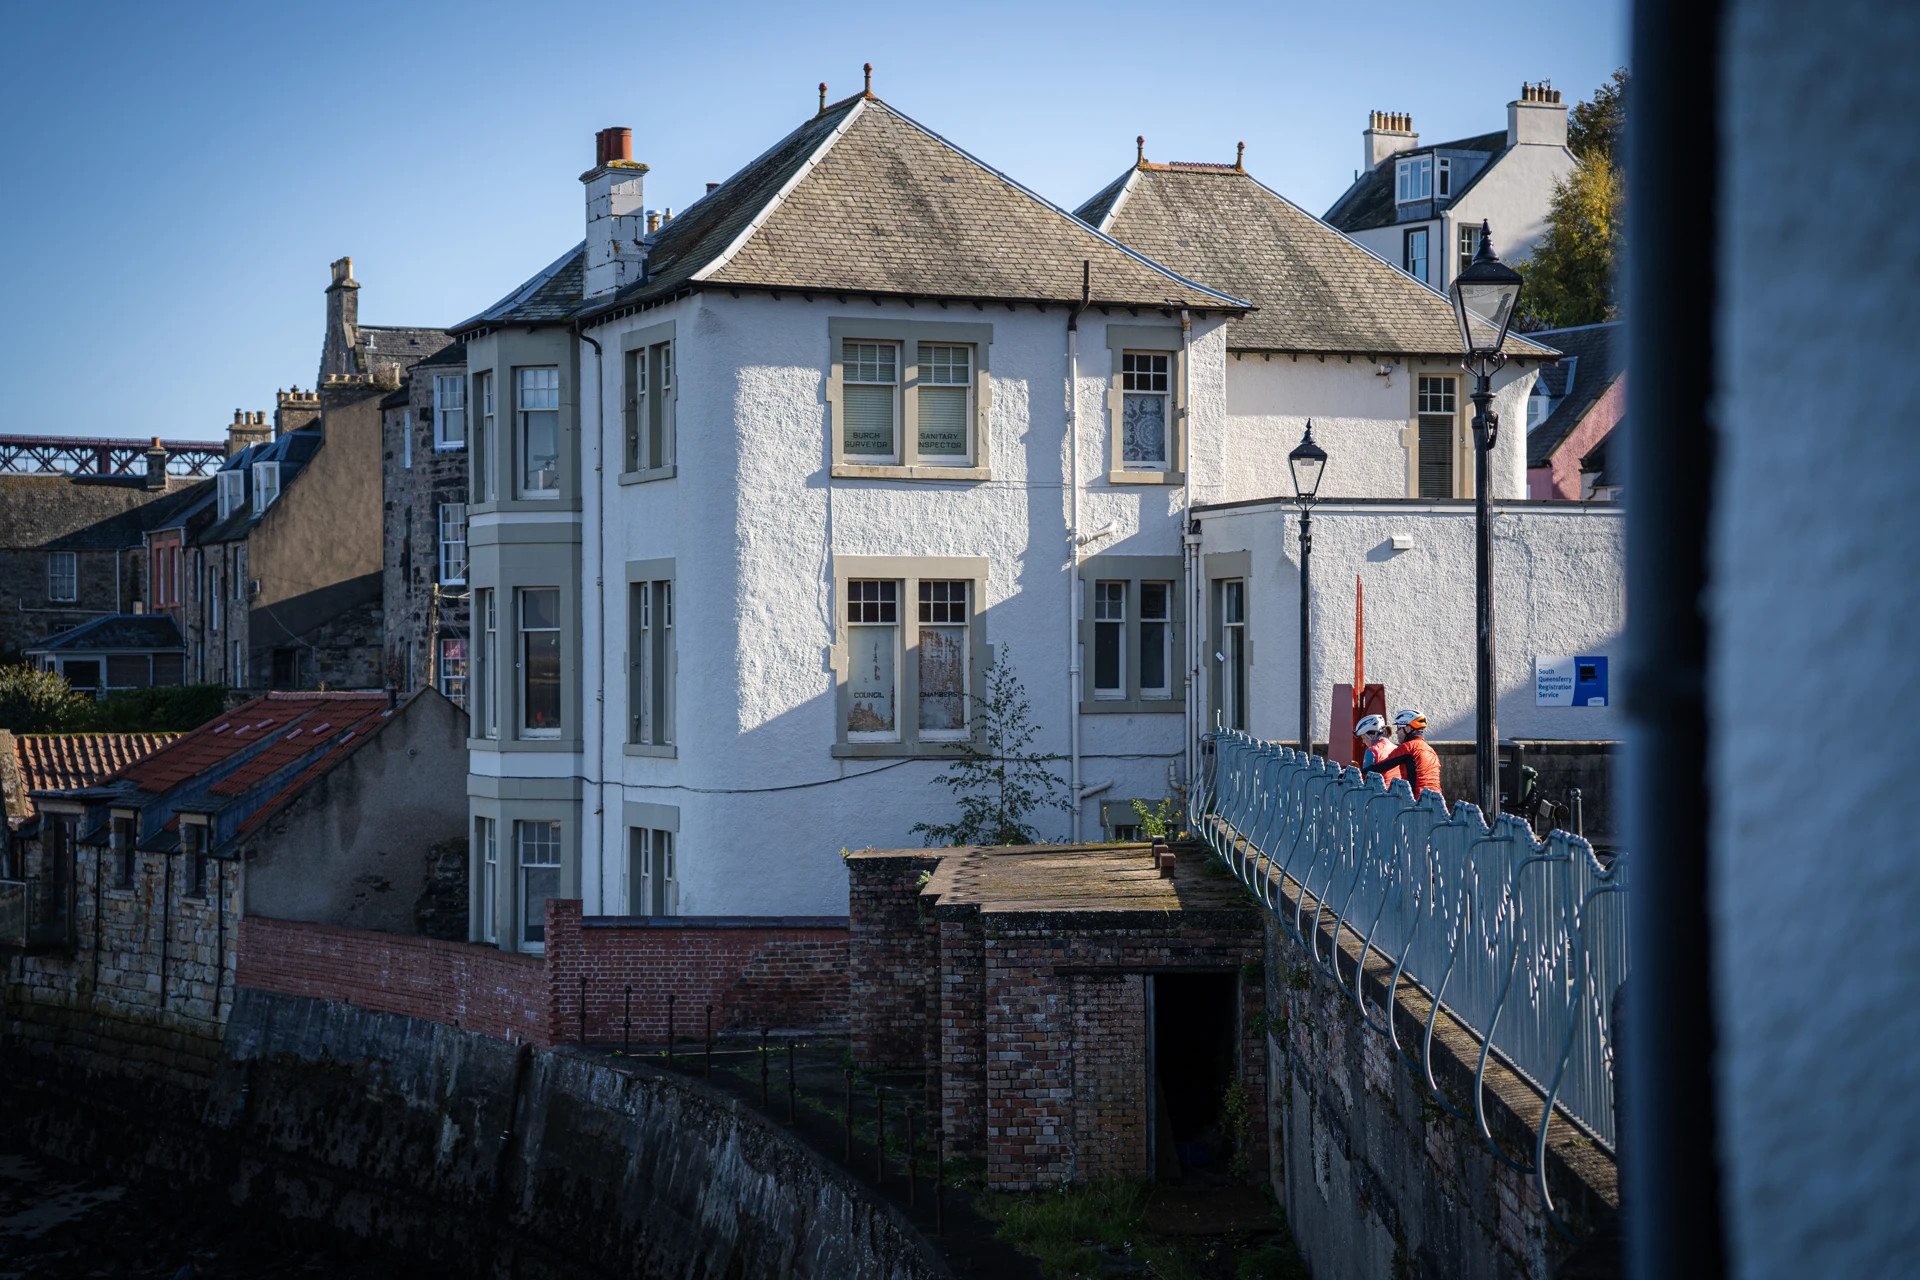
(38, 701)
(1598, 126)
(1570, 277)
(998, 781)
(167, 708)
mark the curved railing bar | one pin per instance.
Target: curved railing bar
(1493, 1020)
(1407, 943)
(1367, 836)
(1467, 894)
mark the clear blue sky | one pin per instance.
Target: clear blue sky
(179, 176)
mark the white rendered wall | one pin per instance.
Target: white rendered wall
(1513, 198)
(752, 521)
(1559, 575)
(1360, 418)
(1389, 244)
(1815, 610)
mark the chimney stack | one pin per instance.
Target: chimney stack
(1388, 133)
(157, 465)
(343, 321)
(616, 243)
(1537, 117)
(248, 428)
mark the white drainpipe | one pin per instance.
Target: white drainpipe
(1073, 545)
(1190, 551)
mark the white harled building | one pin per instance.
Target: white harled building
(760, 490)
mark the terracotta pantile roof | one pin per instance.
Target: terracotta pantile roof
(344, 745)
(56, 761)
(863, 200)
(241, 729)
(1316, 290)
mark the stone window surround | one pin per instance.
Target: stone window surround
(1226, 566)
(1463, 459)
(504, 559)
(1133, 570)
(639, 571)
(1155, 338)
(508, 800)
(640, 340)
(909, 571)
(909, 334)
(648, 816)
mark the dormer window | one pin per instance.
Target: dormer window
(1445, 166)
(1414, 179)
(231, 491)
(266, 484)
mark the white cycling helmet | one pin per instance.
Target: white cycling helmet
(1409, 719)
(1370, 724)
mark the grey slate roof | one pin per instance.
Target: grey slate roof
(292, 451)
(119, 631)
(863, 200)
(1316, 290)
(1369, 202)
(75, 512)
(1595, 459)
(551, 296)
(1594, 357)
(454, 353)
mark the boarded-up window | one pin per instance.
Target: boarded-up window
(943, 659)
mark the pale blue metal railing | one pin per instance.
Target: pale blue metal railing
(1523, 942)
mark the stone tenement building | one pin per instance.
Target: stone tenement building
(283, 555)
(424, 475)
(73, 547)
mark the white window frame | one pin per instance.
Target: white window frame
(486, 678)
(539, 855)
(935, 371)
(406, 439)
(916, 346)
(653, 879)
(1142, 380)
(651, 400)
(1166, 621)
(266, 484)
(1443, 178)
(1469, 245)
(453, 544)
(1133, 574)
(529, 384)
(522, 632)
(875, 604)
(861, 365)
(486, 834)
(1413, 180)
(1124, 340)
(1436, 406)
(1230, 602)
(63, 576)
(449, 412)
(231, 487)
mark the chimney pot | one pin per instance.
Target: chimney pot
(619, 143)
(823, 98)
(712, 187)
(869, 89)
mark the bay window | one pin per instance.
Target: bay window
(486, 841)
(479, 459)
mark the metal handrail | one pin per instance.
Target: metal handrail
(1527, 941)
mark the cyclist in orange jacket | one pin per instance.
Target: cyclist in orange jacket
(1421, 762)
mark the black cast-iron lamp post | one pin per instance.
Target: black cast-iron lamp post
(1485, 297)
(1308, 462)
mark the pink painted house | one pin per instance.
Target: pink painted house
(1574, 407)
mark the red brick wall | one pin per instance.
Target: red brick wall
(1049, 1115)
(890, 965)
(759, 974)
(473, 987)
(963, 1035)
(1109, 1075)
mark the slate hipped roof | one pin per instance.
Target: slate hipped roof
(1317, 291)
(1370, 202)
(76, 512)
(114, 633)
(863, 200)
(1594, 358)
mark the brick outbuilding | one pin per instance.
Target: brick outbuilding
(1080, 1014)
